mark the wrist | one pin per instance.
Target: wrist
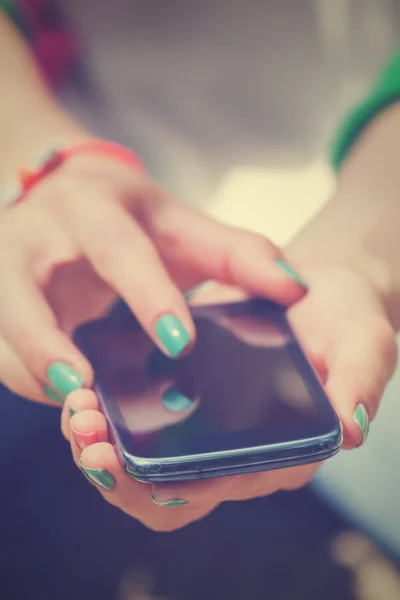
(359, 226)
(32, 137)
(94, 152)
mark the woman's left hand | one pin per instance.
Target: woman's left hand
(343, 327)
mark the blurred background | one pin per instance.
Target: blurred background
(232, 105)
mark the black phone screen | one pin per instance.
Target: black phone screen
(245, 383)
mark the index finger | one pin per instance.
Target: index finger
(202, 248)
(124, 257)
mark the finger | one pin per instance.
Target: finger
(98, 460)
(82, 400)
(257, 485)
(252, 485)
(211, 493)
(360, 364)
(100, 464)
(77, 401)
(126, 259)
(17, 378)
(207, 249)
(30, 328)
(88, 427)
(208, 492)
(293, 478)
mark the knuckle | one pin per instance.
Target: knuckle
(385, 340)
(109, 243)
(159, 217)
(246, 244)
(256, 242)
(153, 206)
(32, 354)
(230, 263)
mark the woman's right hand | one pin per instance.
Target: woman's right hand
(345, 331)
(95, 230)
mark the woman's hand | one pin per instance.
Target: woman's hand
(95, 230)
(343, 327)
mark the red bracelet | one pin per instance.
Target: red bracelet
(28, 178)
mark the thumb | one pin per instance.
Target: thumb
(360, 364)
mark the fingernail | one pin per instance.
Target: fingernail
(72, 411)
(84, 440)
(100, 477)
(172, 335)
(173, 503)
(53, 395)
(174, 401)
(64, 378)
(290, 272)
(362, 420)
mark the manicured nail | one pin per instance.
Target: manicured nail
(174, 401)
(362, 420)
(100, 477)
(53, 395)
(64, 378)
(172, 335)
(290, 272)
(72, 411)
(173, 503)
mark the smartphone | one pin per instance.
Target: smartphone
(244, 399)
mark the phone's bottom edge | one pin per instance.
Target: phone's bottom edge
(232, 470)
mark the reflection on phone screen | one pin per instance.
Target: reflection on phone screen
(239, 376)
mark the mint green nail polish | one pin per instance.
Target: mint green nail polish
(53, 395)
(175, 502)
(100, 477)
(290, 271)
(362, 420)
(174, 401)
(172, 335)
(64, 378)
